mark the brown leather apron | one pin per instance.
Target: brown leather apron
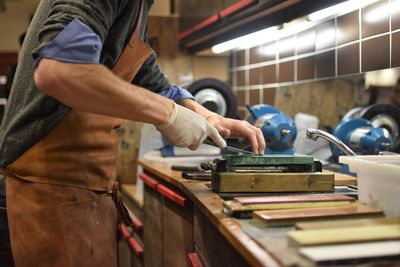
(59, 204)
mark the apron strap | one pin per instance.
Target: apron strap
(136, 33)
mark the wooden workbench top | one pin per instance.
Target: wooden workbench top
(247, 236)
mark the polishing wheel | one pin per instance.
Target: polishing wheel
(215, 95)
(378, 116)
(385, 116)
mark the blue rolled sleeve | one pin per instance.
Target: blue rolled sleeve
(76, 43)
(176, 93)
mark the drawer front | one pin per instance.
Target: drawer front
(171, 195)
(149, 181)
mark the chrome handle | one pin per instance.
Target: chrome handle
(313, 134)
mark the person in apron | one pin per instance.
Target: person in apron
(84, 67)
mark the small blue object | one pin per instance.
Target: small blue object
(167, 151)
(76, 43)
(279, 130)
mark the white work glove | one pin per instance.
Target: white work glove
(186, 128)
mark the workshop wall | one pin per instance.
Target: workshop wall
(328, 100)
(180, 67)
(308, 71)
(14, 20)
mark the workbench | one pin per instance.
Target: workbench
(181, 223)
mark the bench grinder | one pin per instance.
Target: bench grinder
(370, 130)
(279, 130)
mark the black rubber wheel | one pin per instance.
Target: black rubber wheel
(391, 110)
(220, 87)
(387, 109)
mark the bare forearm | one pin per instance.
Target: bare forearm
(95, 89)
(196, 107)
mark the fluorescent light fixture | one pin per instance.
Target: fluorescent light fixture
(305, 40)
(325, 37)
(262, 37)
(395, 7)
(246, 41)
(278, 47)
(339, 9)
(379, 13)
(271, 34)
(268, 49)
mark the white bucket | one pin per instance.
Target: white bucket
(378, 180)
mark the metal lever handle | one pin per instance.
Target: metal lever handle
(313, 134)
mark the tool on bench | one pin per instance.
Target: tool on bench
(269, 173)
(228, 149)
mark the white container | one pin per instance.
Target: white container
(302, 144)
(378, 180)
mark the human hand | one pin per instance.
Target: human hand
(186, 128)
(239, 128)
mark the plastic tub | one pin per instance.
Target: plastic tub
(378, 180)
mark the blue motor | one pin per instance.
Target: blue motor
(362, 137)
(279, 130)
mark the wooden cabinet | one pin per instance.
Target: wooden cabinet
(168, 224)
(130, 248)
(183, 226)
(211, 247)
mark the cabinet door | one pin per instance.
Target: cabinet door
(152, 230)
(124, 254)
(211, 246)
(177, 233)
(130, 250)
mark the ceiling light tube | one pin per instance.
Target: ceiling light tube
(272, 33)
(379, 13)
(262, 37)
(246, 41)
(339, 9)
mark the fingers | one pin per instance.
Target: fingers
(252, 138)
(236, 128)
(253, 135)
(261, 140)
(217, 121)
(194, 146)
(216, 137)
(224, 132)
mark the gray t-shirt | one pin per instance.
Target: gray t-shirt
(30, 114)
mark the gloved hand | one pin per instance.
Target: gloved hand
(186, 128)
